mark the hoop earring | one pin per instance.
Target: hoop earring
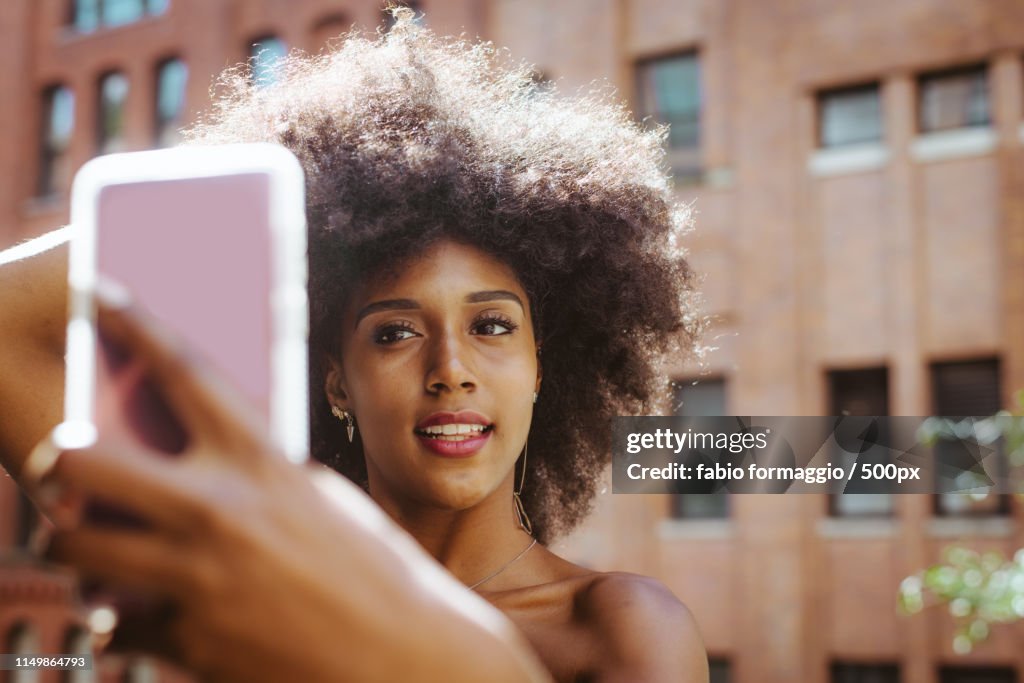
(346, 417)
(517, 501)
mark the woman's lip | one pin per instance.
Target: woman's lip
(461, 417)
(462, 448)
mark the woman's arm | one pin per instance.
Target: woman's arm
(33, 315)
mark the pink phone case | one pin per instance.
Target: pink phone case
(211, 243)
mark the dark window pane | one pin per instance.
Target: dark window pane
(57, 126)
(865, 673)
(965, 389)
(113, 94)
(703, 397)
(847, 117)
(172, 78)
(954, 99)
(859, 392)
(956, 674)
(266, 53)
(121, 12)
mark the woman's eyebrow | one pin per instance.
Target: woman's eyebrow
(387, 305)
(493, 295)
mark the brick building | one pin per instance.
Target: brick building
(857, 172)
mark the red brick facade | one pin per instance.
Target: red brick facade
(912, 258)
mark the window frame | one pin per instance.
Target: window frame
(951, 72)
(1002, 506)
(46, 184)
(677, 510)
(831, 378)
(687, 160)
(824, 94)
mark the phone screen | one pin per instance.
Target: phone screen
(195, 253)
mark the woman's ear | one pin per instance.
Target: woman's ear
(334, 383)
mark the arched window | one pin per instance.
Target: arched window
(265, 53)
(22, 641)
(78, 642)
(113, 93)
(171, 81)
(58, 123)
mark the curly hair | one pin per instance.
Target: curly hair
(407, 138)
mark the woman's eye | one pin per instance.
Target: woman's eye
(391, 334)
(492, 327)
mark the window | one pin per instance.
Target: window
(265, 54)
(965, 389)
(859, 392)
(89, 15)
(699, 398)
(963, 674)
(719, 670)
(171, 80)
(953, 99)
(668, 91)
(58, 123)
(22, 641)
(78, 641)
(865, 673)
(849, 116)
(113, 95)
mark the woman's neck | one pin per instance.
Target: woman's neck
(471, 543)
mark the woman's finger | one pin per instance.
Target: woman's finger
(132, 560)
(210, 408)
(152, 486)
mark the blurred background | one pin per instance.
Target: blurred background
(856, 170)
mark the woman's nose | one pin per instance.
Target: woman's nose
(448, 367)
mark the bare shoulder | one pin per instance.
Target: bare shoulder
(645, 632)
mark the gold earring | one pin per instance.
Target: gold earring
(517, 501)
(345, 417)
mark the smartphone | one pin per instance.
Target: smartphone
(211, 242)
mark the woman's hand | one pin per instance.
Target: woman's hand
(263, 570)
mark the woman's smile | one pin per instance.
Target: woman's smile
(454, 435)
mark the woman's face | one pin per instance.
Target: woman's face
(439, 367)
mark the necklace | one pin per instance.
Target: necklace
(504, 566)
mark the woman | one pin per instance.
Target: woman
(494, 275)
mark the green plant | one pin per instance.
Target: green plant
(980, 589)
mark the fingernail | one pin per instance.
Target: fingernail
(112, 293)
(40, 461)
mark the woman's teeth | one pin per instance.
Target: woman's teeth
(454, 432)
